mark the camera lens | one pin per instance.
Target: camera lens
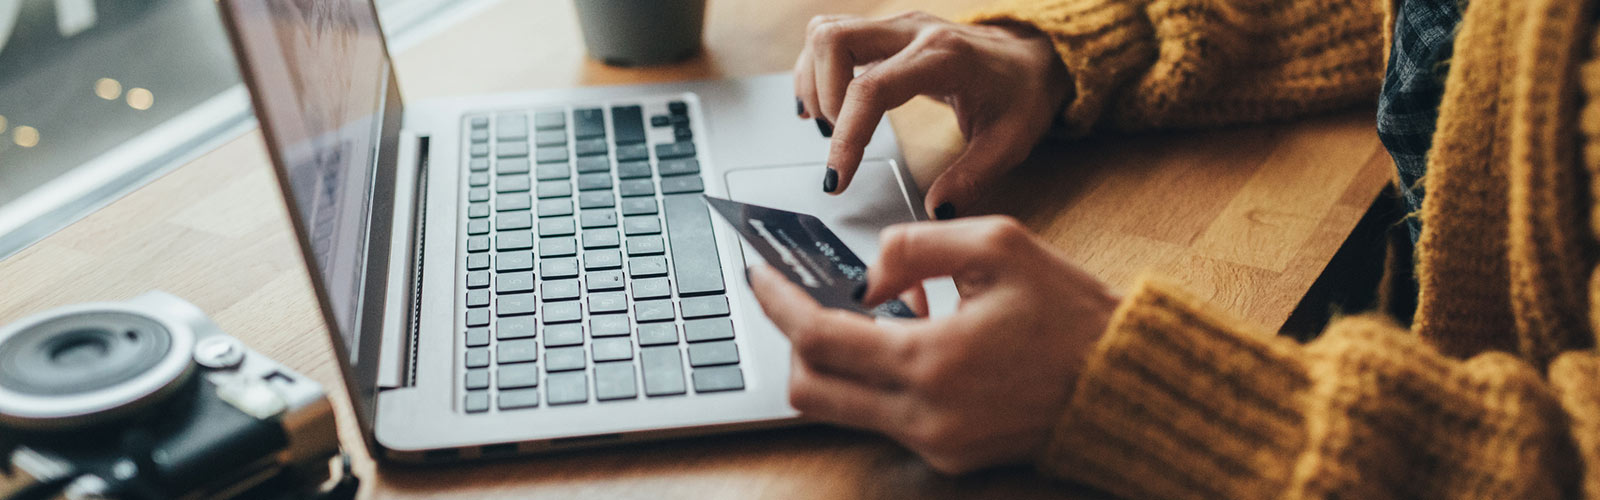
(85, 363)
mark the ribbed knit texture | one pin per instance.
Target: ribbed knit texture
(1495, 390)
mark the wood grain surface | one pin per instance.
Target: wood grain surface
(1246, 217)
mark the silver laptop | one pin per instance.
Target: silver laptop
(536, 271)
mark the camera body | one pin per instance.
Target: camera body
(148, 398)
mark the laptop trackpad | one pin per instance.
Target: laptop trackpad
(874, 200)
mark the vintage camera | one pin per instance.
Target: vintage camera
(149, 399)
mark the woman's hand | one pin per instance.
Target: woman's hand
(1005, 84)
(981, 387)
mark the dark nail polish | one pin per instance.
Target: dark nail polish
(799, 107)
(830, 180)
(747, 275)
(859, 293)
(824, 127)
(945, 211)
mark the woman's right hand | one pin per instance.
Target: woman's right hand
(1005, 84)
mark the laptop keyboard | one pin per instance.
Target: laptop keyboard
(592, 274)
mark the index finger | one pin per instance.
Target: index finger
(887, 85)
(831, 340)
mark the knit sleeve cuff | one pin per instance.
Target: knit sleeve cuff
(1101, 43)
(1175, 403)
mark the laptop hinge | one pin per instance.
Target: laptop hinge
(398, 368)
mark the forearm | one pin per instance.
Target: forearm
(1179, 403)
(1141, 64)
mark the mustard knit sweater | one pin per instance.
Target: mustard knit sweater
(1495, 390)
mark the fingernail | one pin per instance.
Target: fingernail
(859, 293)
(945, 211)
(824, 127)
(830, 180)
(799, 108)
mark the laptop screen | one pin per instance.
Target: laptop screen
(320, 78)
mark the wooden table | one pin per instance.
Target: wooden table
(1246, 217)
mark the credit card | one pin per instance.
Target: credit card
(803, 248)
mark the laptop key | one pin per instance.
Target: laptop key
(682, 184)
(684, 166)
(653, 288)
(478, 164)
(636, 187)
(478, 317)
(558, 268)
(514, 261)
(638, 206)
(558, 247)
(646, 267)
(613, 381)
(477, 357)
(549, 120)
(477, 337)
(563, 312)
(555, 189)
(679, 119)
(513, 282)
(590, 147)
(477, 243)
(633, 152)
(555, 207)
(588, 122)
(607, 325)
(567, 388)
(513, 202)
(477, 379)
(519, 399)
(678, 108)
(682, 132)
(657, 334)
(631, 169)
(592, 164)
(565, 358)
(604, 281)
(476, 402)
(598, 217)
(694, 247)
(645, 245)
(478, 194)
(512, 221)
(518, 376)
(562, 335)
(641, 224)
(559, 289)
(511, 149)
(722, 378)
(627, 124)
(653, 310)
(478, 210)
(515, 304)
(517, 351)
(554, 154)
(674, 150)
(596, 199)
(553, 172)
(513, 240)
(594, 260)
(702, 330)
(662, 368)
(510, 126)
(659, 121)
(557, 226)
(704, 307)
(613, 349)
(513, 184)
(477, 279)
(593, 181)
(479, 150)
(478, 179)
(607, 302)
(479, 121)
(477, 262)
(478, 226)
(550, 138)
(477, 298)
(722, 352)
(520, 327)
(511, 166)
(600, 238)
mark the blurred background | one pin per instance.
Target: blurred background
(98, 97)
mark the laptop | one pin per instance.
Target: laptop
(537, 271)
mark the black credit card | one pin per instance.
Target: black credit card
(803, 248)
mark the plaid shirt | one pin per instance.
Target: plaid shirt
(1408, 108)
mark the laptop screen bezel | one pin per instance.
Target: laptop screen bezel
(360, 373)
